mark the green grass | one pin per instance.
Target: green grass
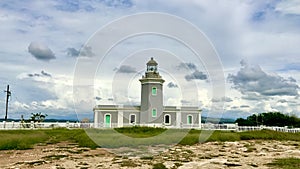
(193, 136)
(130, 137)
(286, 163)
(78, 136)
(140, 132)
(110, 138)
(21, 139)
(269, 135)
(26, 139)
(224, 136)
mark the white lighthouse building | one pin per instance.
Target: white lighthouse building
(152, 111)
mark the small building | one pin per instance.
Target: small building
(151, 112)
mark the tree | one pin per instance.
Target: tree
(244, 122)
(270, 119)
(37, 117)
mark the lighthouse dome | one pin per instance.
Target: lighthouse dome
(152, 62)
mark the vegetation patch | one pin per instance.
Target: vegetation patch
(222, 136)
(232, 164)
(54, 157)
(268, 135)
(177, 164)
(36, 163)
(159, 166)
(75, 151)
(140, 132)
(128, 163)
(26, 139)
(83, 163)
(20, 139)
(191, 138)
(286, 163)
(138, 136)
(250, 148)
(147, 158)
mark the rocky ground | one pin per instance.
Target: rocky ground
(212, 155)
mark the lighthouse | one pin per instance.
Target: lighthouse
(151, 94)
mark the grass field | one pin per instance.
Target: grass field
(192, 137)
(26, 139)
(286, 163)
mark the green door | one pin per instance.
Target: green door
(189, 119)
(107, 120)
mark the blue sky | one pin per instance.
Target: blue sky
(257, 42)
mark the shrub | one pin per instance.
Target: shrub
(159, 166)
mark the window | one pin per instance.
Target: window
(189, 119)
(151, 68)
(167, 119)
(154, 90)
(132, 118)
(154, 113)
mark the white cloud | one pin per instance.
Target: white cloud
(289, 7)
(264, 32)
(254, 81)
(60, 86)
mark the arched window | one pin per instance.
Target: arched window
(132, 118)
(189, 119)
(167, 119)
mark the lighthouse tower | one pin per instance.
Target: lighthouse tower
(151, 95)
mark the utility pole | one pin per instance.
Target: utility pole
(8, 93)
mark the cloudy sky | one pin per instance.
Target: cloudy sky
(44, 43)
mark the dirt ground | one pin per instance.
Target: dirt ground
(212, 155)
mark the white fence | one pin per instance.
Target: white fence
(275, 128)
(204, 126)
(44, 125)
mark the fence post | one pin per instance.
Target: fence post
(285, 128)
(4, 124)
(236, 126)
(31, 124)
